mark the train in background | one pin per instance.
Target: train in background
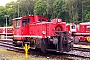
(79, 32)
(6, 32)
(38, 33)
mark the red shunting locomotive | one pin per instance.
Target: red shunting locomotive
(39, 33)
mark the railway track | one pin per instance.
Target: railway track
(72, 55)
(80, 50)
(7, 44)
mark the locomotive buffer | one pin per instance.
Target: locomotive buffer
(63, 43)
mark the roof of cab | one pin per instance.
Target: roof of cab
(17, 18)
(32, 16)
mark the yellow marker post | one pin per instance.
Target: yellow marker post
(88, 39)
(26, 48)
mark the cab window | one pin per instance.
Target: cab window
(25, 21)
(17, 23)
(41, 20)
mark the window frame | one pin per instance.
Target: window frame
(25, 21)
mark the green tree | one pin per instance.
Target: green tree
(27, 7)
(86, 10)
(69, 10)
(60, 10)
(87, 15)
(2, 15)
(11, 11)
(50, 9)
(40, 8)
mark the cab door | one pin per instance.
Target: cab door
(17, 29)
(25, 26)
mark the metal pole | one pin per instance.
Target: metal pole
(6, 26)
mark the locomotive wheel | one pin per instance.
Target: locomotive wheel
(76, 40)
(43, 45)
(70, 47)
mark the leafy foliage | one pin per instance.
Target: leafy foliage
(60, 10)
(2, 17)
(40, 8)
(69, 10)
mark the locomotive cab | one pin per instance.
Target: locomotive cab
(71, 28)
(22, 28)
